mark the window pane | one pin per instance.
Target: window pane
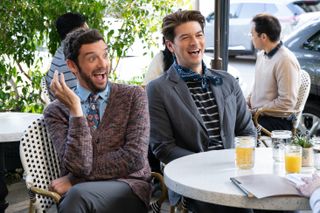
(271, 8)
(313, 43)
(248, 10)
(234, 10)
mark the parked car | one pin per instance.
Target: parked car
(305, 17)
(304, 10)
(295, 8)
(304, 42)
(241, 13)
(306, 5)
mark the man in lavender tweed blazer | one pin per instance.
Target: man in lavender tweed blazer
(103, 169)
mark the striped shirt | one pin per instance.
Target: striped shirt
(208, 109)
(59, 63)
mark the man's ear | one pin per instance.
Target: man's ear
(169, 45)
(264, 36)
(72, 66)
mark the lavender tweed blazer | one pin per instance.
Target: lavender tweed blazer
(117, 149)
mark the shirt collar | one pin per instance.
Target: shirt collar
(273, 51)
(83, 93)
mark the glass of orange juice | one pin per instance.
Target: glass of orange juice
(293, 158)
(245, 151)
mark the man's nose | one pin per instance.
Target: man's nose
(103, 62)
(194, 40)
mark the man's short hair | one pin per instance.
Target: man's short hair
(76, 39)
(68, 22)
(268, 24)
(173, 20)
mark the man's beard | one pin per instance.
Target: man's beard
(89, 82)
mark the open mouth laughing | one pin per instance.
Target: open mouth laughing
(194, 52)
(100, 75)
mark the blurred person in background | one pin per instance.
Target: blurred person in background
(161, 62)
(65, 24)
(277, 73)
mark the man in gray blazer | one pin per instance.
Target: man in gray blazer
(193, 108)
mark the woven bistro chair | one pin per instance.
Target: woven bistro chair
(294, 115)
(41, 165)
(44, 91)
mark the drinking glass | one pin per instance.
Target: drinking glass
(245, 151)
(293, 158)
(280, 138)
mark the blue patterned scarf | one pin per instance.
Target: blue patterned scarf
(188, 75)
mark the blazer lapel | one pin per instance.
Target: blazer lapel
(184, 94)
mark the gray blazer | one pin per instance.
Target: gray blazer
(177, 128)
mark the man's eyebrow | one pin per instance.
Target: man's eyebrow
(89, 53)
(186, 34)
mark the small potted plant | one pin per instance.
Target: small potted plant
(307, 151)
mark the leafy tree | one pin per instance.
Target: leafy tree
(27, 26)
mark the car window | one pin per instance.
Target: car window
(271, 8)
(248, 10)
(284, 11)
(309, 6)
(234, 11)
(313, 43)
(295, 9)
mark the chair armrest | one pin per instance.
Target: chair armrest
(275, 112)
(164, 190)
(55, 196)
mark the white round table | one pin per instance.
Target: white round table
(206, 177)
(13, 124)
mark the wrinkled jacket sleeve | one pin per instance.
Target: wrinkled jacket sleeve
(162, 139)
(71, 138)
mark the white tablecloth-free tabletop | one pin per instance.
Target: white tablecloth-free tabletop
(13, 124)
(206, 176)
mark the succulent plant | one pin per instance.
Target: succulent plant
(302, 141)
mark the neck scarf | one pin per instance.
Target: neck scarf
(188, 75)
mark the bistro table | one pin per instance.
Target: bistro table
(12, 126)
(206, 177)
